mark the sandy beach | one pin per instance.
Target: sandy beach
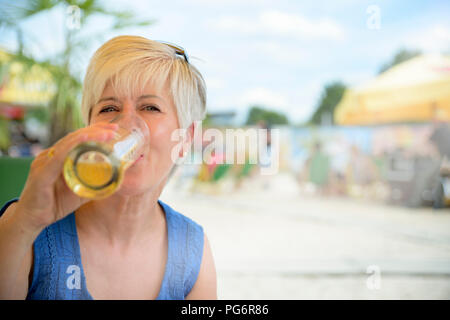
(270, 241)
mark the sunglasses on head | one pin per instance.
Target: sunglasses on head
(178, 50)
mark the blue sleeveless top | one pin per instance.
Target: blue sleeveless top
(58, 271)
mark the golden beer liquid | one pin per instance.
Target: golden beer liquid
(92, 179)
(95, 170)
(96, 174)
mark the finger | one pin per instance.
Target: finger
(58, 153)
(105, 125)
(72, 199)
(42, 154)
(100, 132)
(48, 153)
(40, 158)
(101, 125)
(94, 127)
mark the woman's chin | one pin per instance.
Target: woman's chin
(132, 187)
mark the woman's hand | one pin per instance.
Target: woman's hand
(46, 197)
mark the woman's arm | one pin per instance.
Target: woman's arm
(205, 288)
(44, 200)
(16, 240)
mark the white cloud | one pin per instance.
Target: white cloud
(279, 23)
(228, 2)
(296, 25)
(214, 83)
(282, 52)
(297, 105)
(264, 97)
(435, 39)
(305, 97)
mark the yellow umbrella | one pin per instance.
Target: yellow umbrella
(416, 90)
(31, 88)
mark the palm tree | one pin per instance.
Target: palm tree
(64, 107)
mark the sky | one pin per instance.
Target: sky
(276, 54)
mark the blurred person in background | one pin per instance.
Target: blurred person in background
(131, 245)
(361, 173)
(440, 138)
(317, 169)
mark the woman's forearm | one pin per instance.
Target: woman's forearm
(16, 240)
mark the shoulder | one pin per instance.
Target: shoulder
(200, 275)
(175, 219)
(205, 286)
(7, 204)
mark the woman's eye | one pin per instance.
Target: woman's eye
(151, 108)
(107, 109)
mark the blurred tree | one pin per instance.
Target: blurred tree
(401, 56)
(64, 113)
(4, 135)
(219, 119)
(331, 95)
(208, 121)
(38, 113)
(258, 114)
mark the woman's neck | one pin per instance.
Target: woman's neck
(121, 220)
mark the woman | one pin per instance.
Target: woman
(56, 245)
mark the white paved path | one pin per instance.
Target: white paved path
(276, 244)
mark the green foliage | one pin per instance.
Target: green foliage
(208, 121)
(330, 98)
(258, 114)
(5, 138)
(41, 114)
(64, 109)
(401, 56)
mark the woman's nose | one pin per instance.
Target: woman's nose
(129, 117)
(129, 108)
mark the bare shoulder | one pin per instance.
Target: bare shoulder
(205, 288)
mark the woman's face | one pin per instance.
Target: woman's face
(157, 109)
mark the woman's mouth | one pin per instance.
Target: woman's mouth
(138, 159)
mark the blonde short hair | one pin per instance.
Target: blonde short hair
(131, 62)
